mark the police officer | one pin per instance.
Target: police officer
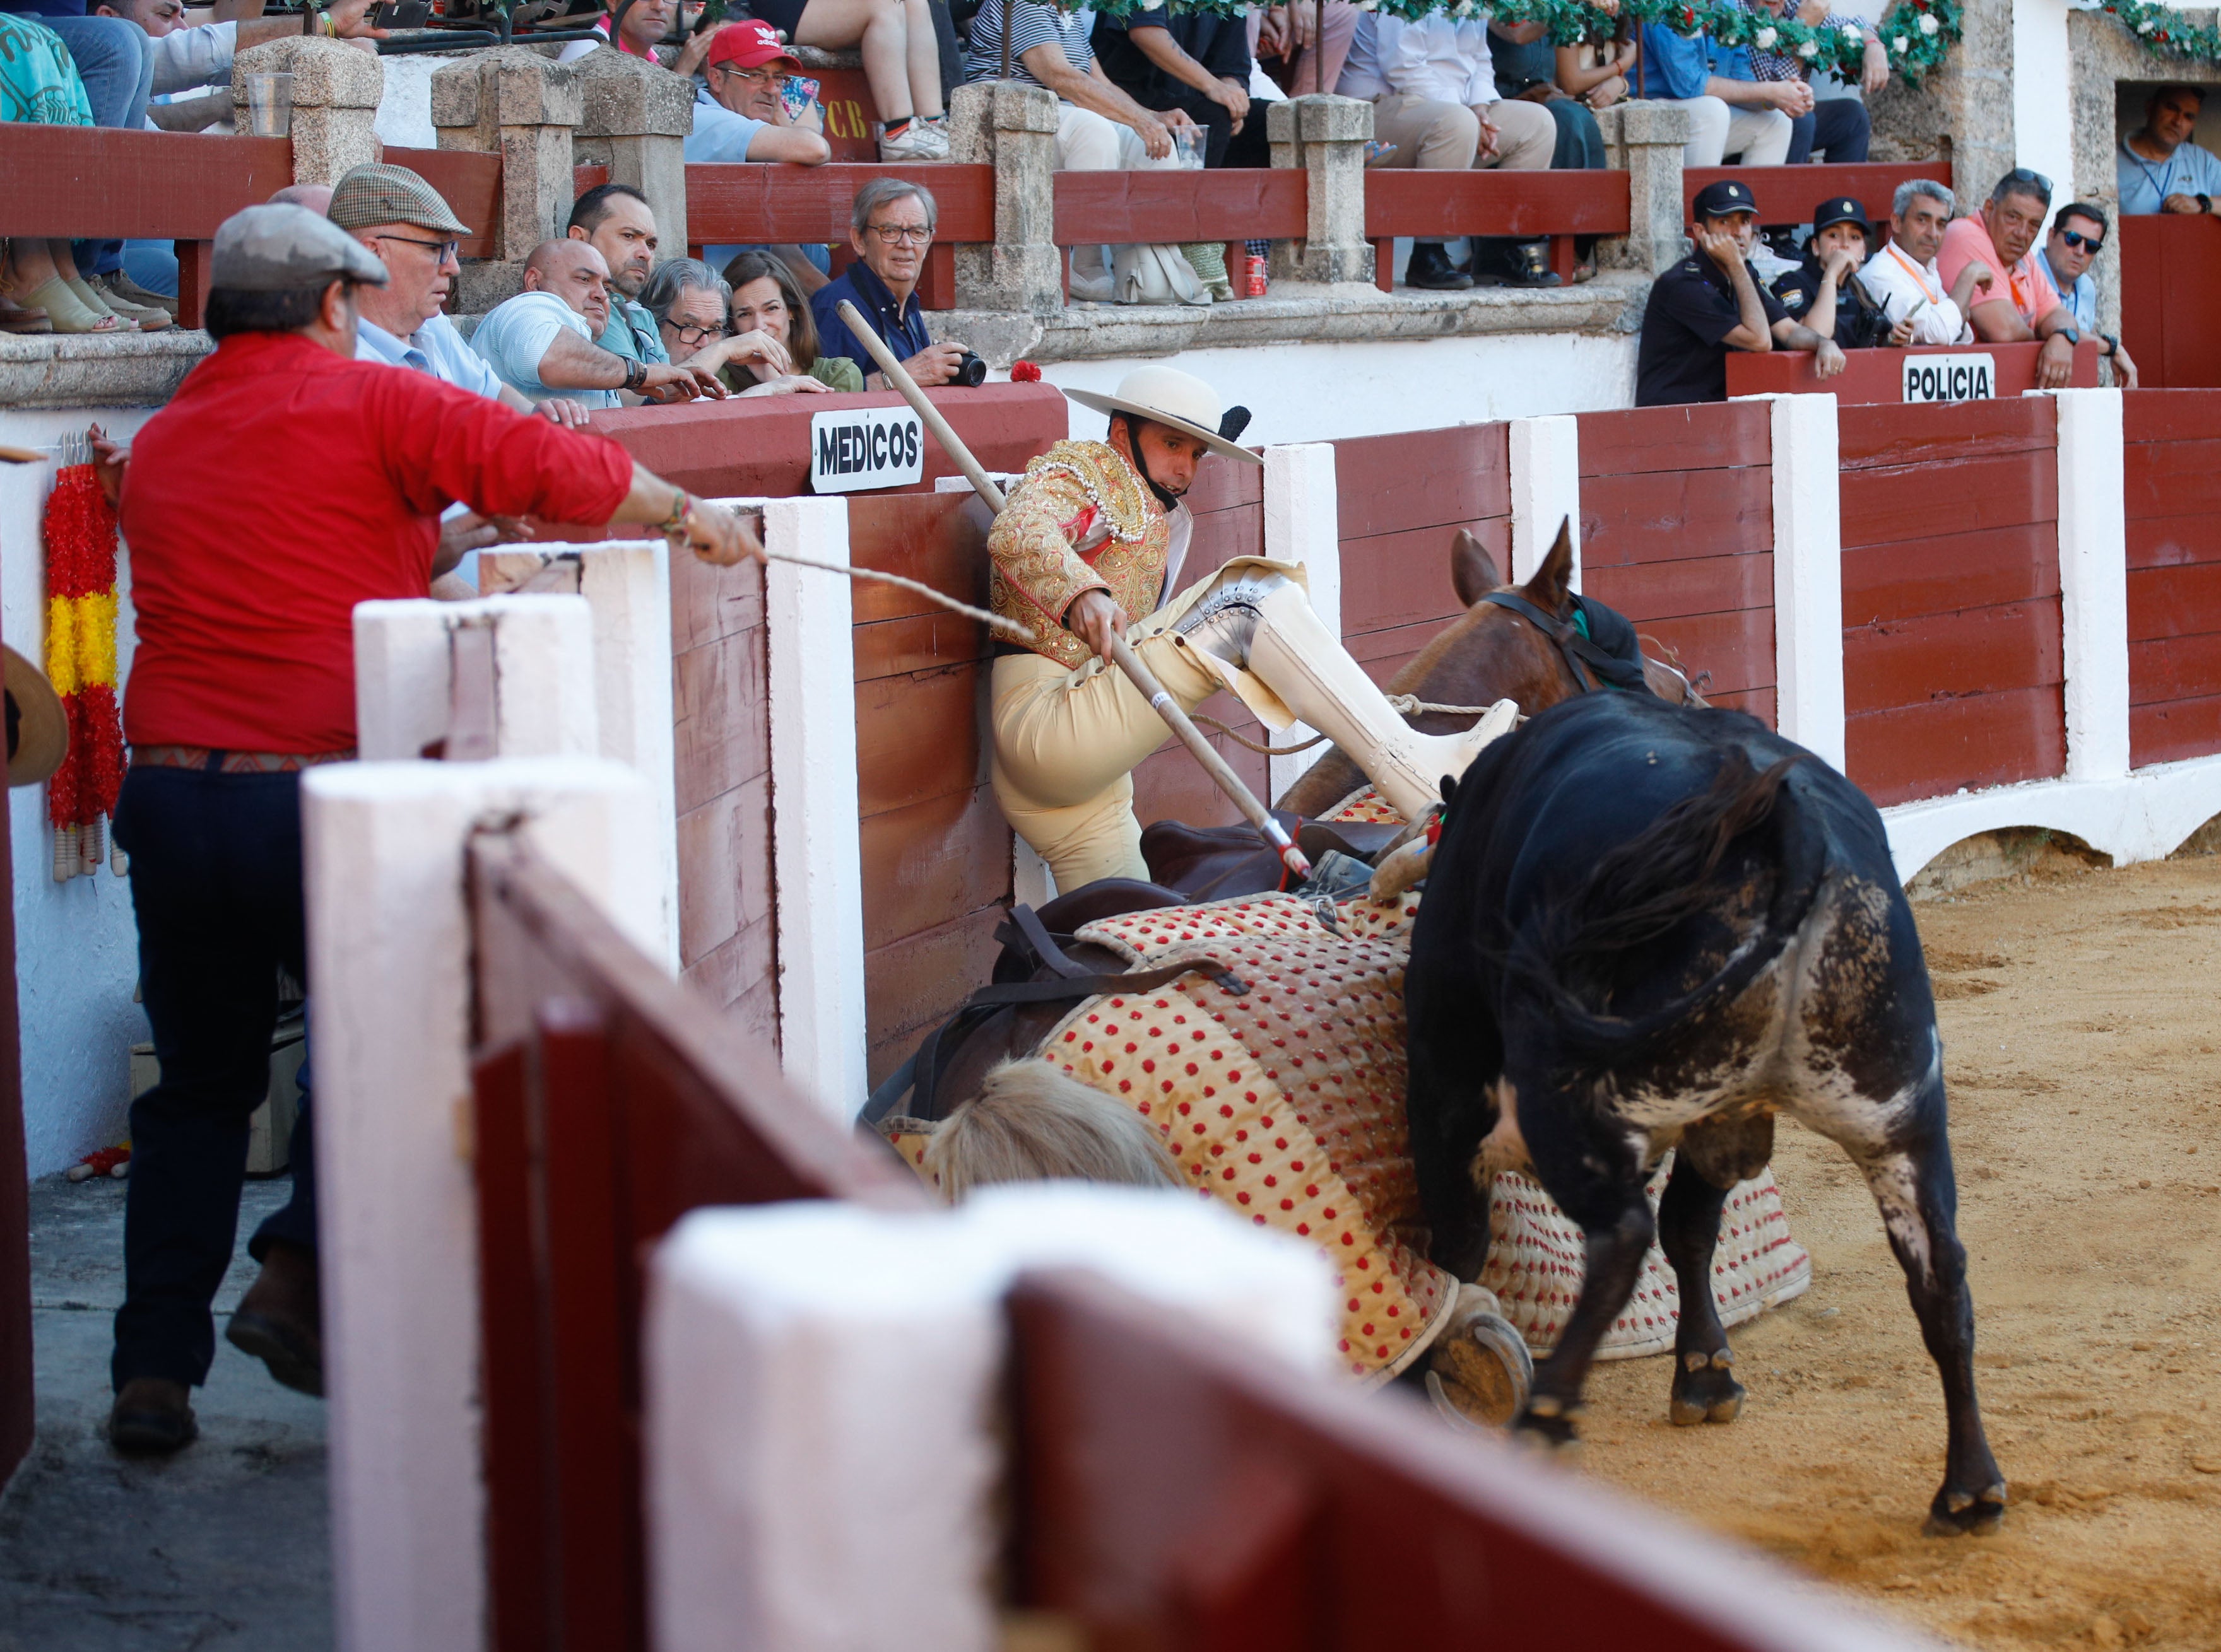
(1712, 302)
(1825, 293)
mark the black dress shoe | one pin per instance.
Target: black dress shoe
(1517, 264)
(1431, 268)
(152, 1418)
(280, 1321)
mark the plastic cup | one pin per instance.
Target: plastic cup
(1187, 147)
(269, 105)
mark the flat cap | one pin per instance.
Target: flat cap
(1718, 200)
(378, 194)
(286, 248)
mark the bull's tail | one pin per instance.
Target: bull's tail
(1032, 1122)
(1642, 889)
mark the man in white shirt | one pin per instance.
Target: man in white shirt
(1903, 276)
(541, 341)
(1432, 85)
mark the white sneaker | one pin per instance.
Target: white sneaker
(917, 141)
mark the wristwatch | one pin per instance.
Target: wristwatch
(635, 375)
(2206, 204)
(2069, 333)
(2112, 345)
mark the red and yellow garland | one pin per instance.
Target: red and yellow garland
(80, 531)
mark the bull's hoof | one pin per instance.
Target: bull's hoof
(1967, 1514)
(1548, 1422)
(1480, 1372)
(1704, 1390)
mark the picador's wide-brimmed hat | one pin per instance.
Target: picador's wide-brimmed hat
(38, 727)
(1179, 399)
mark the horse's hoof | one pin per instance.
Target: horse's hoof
(1549, 1428)
(1706, 1393)
(1480, 1371)
(1976, 1516)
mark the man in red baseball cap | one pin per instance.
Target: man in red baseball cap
(739, 113)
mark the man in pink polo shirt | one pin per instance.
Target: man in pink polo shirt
(2026, 306)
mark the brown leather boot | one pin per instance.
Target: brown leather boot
(152, 1418)
(280, 1319)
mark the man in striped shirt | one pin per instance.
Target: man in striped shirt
(1837, 127)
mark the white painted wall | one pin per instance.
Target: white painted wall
(1318, 392)
(77, 949)
(2042, 135)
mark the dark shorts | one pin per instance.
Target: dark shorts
(784, 16)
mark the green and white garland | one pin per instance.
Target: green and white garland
(2165, 31)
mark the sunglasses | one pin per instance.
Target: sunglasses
(2029, 175)
(2075, 238)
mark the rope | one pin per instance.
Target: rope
(1009, 628)
(1406, 704)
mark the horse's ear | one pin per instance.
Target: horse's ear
(1472, 571)
(1552, 587)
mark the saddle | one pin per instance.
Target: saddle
(1215, 863)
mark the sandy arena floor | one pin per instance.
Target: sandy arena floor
(2083, 1048)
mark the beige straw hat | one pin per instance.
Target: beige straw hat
(38, 727)
(1170, 397)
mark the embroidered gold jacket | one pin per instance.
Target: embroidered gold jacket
(1080, 519)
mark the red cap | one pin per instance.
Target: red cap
(749, 44)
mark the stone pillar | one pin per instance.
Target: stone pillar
(633, 119)
(1326, 136)
(514, 103)
(1645, 140)
(335, 92)
(1972, 93)
(1011, 128)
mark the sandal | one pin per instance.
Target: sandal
(66, 312)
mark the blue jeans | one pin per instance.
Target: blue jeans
(116, 60)
(1837, 127)
(215, 886)
(1581, 143)
(153, 265)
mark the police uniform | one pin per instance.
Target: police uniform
(1683, 356)
(1860, 321)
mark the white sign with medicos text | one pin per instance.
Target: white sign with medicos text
(866, 447)
(1950, 378)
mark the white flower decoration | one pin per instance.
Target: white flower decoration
(1764, 39)
(2147, 26)
(1900, 45)
(1854, 32)
(1808, 51)
(1927, 24)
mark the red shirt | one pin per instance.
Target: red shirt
(281, 486)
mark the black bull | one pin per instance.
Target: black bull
(1645, 926)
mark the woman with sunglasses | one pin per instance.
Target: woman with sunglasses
(691, 304)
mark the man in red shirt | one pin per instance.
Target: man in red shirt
(285, 482)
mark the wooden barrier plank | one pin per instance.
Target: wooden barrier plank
(1876, 377)
(2174, 668)
(1659, 516)
(1383, 653)
(930, 862)
(1935, 656)
(923, 642)
(737, 200)
(1788, 195)
(1884, 582)
(1396, 579)
(2005, 491)
(2171, 479)
(1422, 479)
(1232, 205)
(83, 181)
(1172, 785)
(1222, 535)
(721, 724)
(913, 984)
(1737, 649)
(1932, 749)
(2170, 415)
(1225, 484)
(469, 181)
(918, 737)
(1759, 703)
(2176, 729)
(1413, 202)
(1693, 436)
(1689, 585)
(2179, 602)
(2173, 541)
(2167, 312)
(1871, 436)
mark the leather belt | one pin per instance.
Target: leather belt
(214, 762)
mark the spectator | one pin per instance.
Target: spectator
(646, 26)
(890, 226)
(317, 197)
(1433, 88)
(541, 341)
(1197, 61)
(1098, 127)
(740, 112)
(1826, 292)
(283, 484)
(2028, 307)
(1903, 275)
(1530, 68)
(1836, 127)
(1711, 303)
(617, 221)
(1728, 114)
(691, 304)
(2078, 236)
(901, 62)
(2158, 168)
(39, 279)
(1293, 31)
(766, 300)
(409, 229)
(1595, 70)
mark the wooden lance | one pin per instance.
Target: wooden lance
(1121, 652)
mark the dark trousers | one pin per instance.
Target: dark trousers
(215, 885)
(1837, 127)
(1222, 145)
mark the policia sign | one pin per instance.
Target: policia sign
(866, 447)
(1950, 378)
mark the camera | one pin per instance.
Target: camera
(971, 371)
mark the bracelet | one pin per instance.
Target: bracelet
(682, 506)
(331, 28)
(635, 375)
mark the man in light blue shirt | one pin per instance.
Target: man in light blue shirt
(739, 114)
(2158, 168)
(542, 341)
(2078, 236)
(1728, 112)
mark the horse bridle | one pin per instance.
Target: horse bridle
(1592, 668)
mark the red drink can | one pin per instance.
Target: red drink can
(1254, 281)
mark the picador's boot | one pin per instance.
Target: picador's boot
(1256, 628)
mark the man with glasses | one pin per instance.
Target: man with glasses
(407, 228)
(739, 109)
(890, 226)
(2025, 305)
(2078, 236)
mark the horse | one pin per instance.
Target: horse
(1650, 926)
